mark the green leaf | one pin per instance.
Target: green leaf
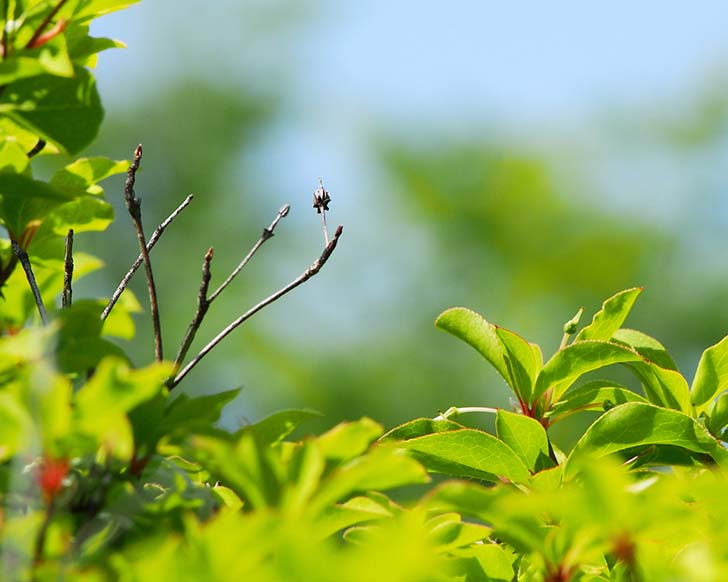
(512, 356)
(662, 387)
(13, 157)
(82, 215)
(80, 346)
(596, 395)
(16, 426)
(568, 364)
(114, 390)
(646, 346)
(526, 436)
(711, 377)
(419, 427)
(194, 415)
(90, 9)
(636, 423)
(24, 200)
(717, 415)
(278, 426)
(468, 453)
(82, 176)
(51, 58)
(228, 497)
(383, 468)
(65, 111)
(497, 564)
(349, 439)
(610, 317)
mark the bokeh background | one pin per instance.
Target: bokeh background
(521, 159)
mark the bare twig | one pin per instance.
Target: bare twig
(22, 255)
(33, 42)
(140, 259)
(40, 539)
(203, 304)
(305, 276)
(134, 205)
(267, 234)
(67, 271)
(37, 148)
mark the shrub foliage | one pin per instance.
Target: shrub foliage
(107, 473)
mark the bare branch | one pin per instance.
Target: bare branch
(37, 148)
(22, 255)
(67, 295)
(305, 276)
(267, 234)
(203, 304)
(134, 205)
(140, 259)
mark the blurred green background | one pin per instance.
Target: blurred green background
(520, 160)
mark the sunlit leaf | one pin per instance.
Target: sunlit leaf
(526, 436)
(711, 377)
(468, 453)
(637, 423)
(610, 317)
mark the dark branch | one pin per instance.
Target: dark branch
(134, 205)
(66, 297)
(305, 276)
(37, 148)
(140, 259)
(203, 304)
(22, 255)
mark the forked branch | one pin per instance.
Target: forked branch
(140, 259)
(305, 276)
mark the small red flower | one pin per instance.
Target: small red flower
(50, 475)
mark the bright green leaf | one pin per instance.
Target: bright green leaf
(526, 436)
(512, 356)
(65, 111)
(349, 439)
(419, 427)
(568, 364)
(610, 317)
(24, 200)
(662, 387)
(646, 346)
(711, 377)
(636, 423)
(468, 453)
(278, 426)
(82, 176)
(596, 395)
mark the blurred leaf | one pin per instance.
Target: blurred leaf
(194, 415)
(90, 9)
(50, 58)
(65, 111)
(13, 157)
(80, 345)
(278, 426)
(638, 423)
(25, 200)
(568, 364)
(349, 439)
(382, 468)
(711, 377)
(468, 453)
(82, 175)
(526, 436)
(610, 317)
(717, 414)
